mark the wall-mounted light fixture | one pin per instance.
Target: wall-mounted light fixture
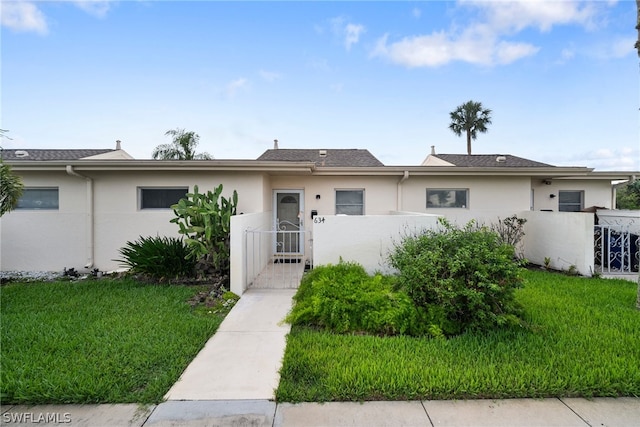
(547, 182)
(552, 196)
(317, 197)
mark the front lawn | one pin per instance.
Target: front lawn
(583, 339)
(98, 341)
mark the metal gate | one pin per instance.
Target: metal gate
(616, 249)
(276, 258)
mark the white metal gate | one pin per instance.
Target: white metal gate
(276, 258)
(616, 249)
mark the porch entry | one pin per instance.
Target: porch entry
(276, 257)
(288, 223)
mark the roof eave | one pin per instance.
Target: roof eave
(165, 165)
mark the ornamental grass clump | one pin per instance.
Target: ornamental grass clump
(343, 298)
(465, 276)
(158, 257)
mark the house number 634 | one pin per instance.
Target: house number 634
(318, 220)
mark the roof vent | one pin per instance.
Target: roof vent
(118, 145)
(21, 154)
(275, 144)
(433, 150)
(501, 159)
(322, 153)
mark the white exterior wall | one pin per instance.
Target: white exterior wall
(118, 218)
(597, 193)
(379, 192)
(490, 198)
(564, 237)
(366, 240)
(47, 239)
(52, 240)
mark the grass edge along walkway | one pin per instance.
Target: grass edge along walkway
(583, 341)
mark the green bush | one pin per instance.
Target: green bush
(158, 257)
(344, 298)
(465, 277)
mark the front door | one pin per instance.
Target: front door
(289, 221)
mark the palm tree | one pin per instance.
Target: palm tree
(10, 189)
(182, 147)
(470, 118)
(10, 184)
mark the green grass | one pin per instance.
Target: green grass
(97, 341)
(583, 339)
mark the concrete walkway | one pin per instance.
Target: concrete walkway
(231, 382)
(243, 359)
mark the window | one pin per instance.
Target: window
(570, 201)
(39, 198)
(447, 198)
(161, 198)
(349, 202)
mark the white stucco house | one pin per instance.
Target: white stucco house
(81, 206)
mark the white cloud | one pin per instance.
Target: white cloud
(348, 32)
(235, 86)
(540, 14)
(97, 8)
(618, 48)
(269, 76)
(352, 34)
(475, 46)
(602, 159)
(23, 16)
(483, 41)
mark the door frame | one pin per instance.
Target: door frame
(301, 243)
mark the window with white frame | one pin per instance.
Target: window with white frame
(448, 198)
(39, 198)
(349, 202)
(570, 201)
(160, 197)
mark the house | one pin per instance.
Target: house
(81, 206)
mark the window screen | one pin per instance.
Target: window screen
(570, 201)
(161, 198)
(349, 202)
(447, 198)
(39, 198)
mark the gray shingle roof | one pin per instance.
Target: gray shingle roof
(334, 157)
(490, 160)
(39, 154)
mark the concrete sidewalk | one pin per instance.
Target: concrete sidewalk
(609, 412)
(231, 382)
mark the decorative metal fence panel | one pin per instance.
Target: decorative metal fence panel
(616, 249)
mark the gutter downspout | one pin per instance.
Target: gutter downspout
(89, 221)
(399, 192)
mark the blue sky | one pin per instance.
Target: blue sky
(561, 77)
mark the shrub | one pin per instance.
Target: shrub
(205, 220)
(511, 232)
(344, 298)
(467, 275)
(158, 257)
